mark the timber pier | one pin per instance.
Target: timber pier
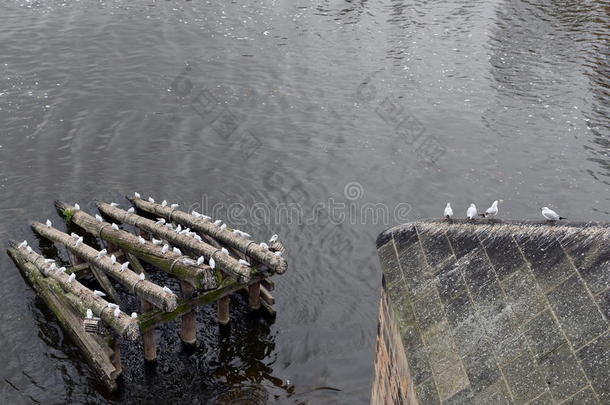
(210, 261)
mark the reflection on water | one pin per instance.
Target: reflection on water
(281, 106)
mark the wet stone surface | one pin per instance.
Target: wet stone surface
(502, 314)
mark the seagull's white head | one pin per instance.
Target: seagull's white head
(472, 205)
(544, 208)
(495, 204)
(448, 205)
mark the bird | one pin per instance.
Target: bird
(74, 235)
(101, 253)
(156, 242)
(278, 253)
(243, 262)
(72, 277)
(163, 203)
(245, 234)
(131, 210)
(22, 244)
(113, 204)
(160, 221)
(112, 259)
(62, 269)
(115, 226)
(124, 266)
(49, 260)
(212, 263)
(151, 200)
(78, 241)
(491, 211)
(264, 245)
(471, 212)
(448, 211)
(142, 276)
(200, 260)
(174, 206)
(218, 222)
(141, 240)
(112, 305)
(89, 313)
(550, 215)
(225, 251)
(117, 312)
(209, 218)
(52, 267)
(167, 290)
(29, 249)
(223, 226)
(176, 251)
(179, 228)
(76, 206)
(197, 237)
(273, 238)
(188, 262)
(99, 218)
(134, 315)
(49, 223)
(195, 214)
(98, 293)
(137, 195)
(164, 249)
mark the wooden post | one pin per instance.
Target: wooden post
(254, 295)
(188, 331)
(148, 337)
(259, 254)
(223, 310)
(266, 296)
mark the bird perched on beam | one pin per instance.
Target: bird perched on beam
(174, 206)
(113, 204)
(117, 312)
(142, 276)
(164, 203)
(49, 223)
(164, 249)
(448, 213)
(200, 260)
(101, 253)
(89, 313)
(167, 290)
(98, 293)
(273, 238)
(177, 251)
(151, 200)
(471, 212)
(243, 262)
(76, 206)
(71, 277)
(137, 195)
(114, 226)
(112, 259)
(212, 263)
(131, 210)
(22, 244)
(124, 266)
(141, 240)
(99, 218)
(160, 221)
(491, 211)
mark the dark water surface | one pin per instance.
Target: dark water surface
(281, 107)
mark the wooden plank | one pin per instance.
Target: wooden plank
(266, 296)
(226, 236)
(223, 306)
(53, 296)
(254, 295)
(188, 329)
(144, 289)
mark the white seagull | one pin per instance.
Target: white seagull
(134, 315)
(89, 313)
(178, 228)
(131, 210)
(223, 226)
(164, 249)
(78, 241)
(491, 211)
(114, 226)
(167, 290)
(137, 195)
(160, 221)
(200, 260)
(22, 244)
(163, 203)
(243, 262)
(112, 305)
(448, 211)
(102, 253)
(113, 204)
(177, 251)
(174, 206)
(72, 277)
(273, 238)
(471, 212)
(218, 222)
(29, 249)
(156, 242)
(195, 213)
(225, 251)
(117, 312)
(98, 293)
(99, 218)
(212, 263)
(142, 276)
(49, 223)
(198, 238)
(77, 206)
(112, 259)
(151, 200)
(141, 240)
(278, 253)
(550, 215)
(124, 266)
(62, 269)
(264, 245)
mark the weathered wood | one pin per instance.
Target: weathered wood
(227, 236)
(224, 262)
(266, 296)
(201, 277)
(51, 292)
(148, 337)
(270, 310)
(223, 306)
(102, 278)
(268, 284)
(84, 298)
(254, 295)
(144, 289)
(188, 329)
(116, 357)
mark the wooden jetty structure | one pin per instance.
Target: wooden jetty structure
(491, 312)
(209, 260)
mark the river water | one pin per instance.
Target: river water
(323, 121)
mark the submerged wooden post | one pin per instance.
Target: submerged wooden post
(148, 337)
(188, 331)
(254, 295)
(223, 310)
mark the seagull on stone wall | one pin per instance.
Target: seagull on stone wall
(164, 249)
(550, 215)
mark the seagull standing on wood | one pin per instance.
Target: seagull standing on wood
(124, 266)
(448, 211)
(22, 244)
(273, 238)
(164, 249)
(112, 259)
(137, 195)
(117, 312)
(264, 245)
(141, 240)
(212, 263)
(89, 313)
(102, 253)
(99, 293)
(76, 206)
(177, 251)
(200, 260)
(114, 226)
(550, 215)
(142, 276)
(160, 221)
(151, 200)
(491, 211)
(471, 212)
(131, 210)
(134, 315)
(174, 206)
(167, 290)
(113, 204)
(49, 223)
(72, 277)
(164, 203)
(243, 262)
(99, 218)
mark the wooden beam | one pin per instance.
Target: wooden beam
(201, 277)
(254, 295)
(224, 262)
(227, 236)
(52, 294)
(188, 330)
(148, 337)
(266, 296)
(223, 305)
(144, 289)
